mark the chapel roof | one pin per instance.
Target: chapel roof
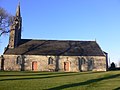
(56, 47)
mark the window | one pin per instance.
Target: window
(83, 61)
(50, 60)
(18, 60)
(90, 64)
(91, 61)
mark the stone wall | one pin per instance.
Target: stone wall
(12, 62)
(0, 62)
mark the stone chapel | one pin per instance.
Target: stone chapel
(50, 55)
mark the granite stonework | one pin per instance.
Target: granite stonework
(11, 63)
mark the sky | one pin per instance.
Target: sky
(85, 20)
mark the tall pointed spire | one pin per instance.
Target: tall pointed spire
(18, 11)
(15, 33)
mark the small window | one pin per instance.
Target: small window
(91, 61)
(83, 61)
(18, 60)
(50, 60)
(90, 64)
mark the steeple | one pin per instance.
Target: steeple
(18, 11)
(15, 29)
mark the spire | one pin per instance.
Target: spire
(15, 33)
(18, 11)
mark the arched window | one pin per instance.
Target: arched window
(92, 61)
(18, 60)
(83, 61)
(50, 60)
(90, 64)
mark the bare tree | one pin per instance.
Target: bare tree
(5, 21)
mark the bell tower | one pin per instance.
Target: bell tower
(15, 29)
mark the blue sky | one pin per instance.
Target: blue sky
(70, 20)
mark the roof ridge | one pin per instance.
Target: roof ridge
(58, 40)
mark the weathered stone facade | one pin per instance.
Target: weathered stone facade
(75, 63)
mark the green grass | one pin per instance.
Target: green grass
(60, 80)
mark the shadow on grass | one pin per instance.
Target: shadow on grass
(40, 77)
(43, 73)
(85, 83)
(118, 88)
(28, 74)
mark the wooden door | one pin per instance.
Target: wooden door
(34, 66)
(66, 66)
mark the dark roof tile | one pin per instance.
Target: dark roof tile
(56, 47)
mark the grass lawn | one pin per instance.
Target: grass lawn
(60, 80)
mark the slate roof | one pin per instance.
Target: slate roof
(56, 47)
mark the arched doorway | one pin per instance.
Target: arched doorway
(34, 66)
(66, 66)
